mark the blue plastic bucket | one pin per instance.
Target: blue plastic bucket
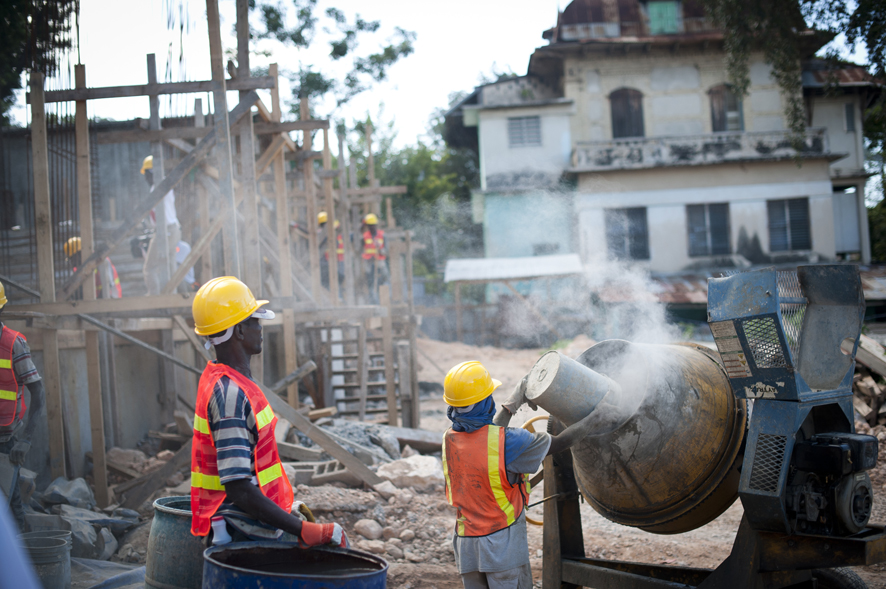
(175, 556)
(280, 565)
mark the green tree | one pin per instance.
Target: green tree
(33, 33)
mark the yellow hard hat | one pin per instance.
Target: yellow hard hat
(224, 302)
(322, 217)
(72, 246)
(148, 164)
(2, 295)
(468, 383)
(371, 219)
(337, 224)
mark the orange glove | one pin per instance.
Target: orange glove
(320, 534)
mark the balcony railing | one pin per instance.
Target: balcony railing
(694, 150)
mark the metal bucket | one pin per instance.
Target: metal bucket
(64, 535)
(279, 565)
(175, 556)
(50, 557)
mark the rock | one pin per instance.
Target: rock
(443, 506)
(423, 535)
(106, 544)
(394, 552)
(395, 541)
(419, 472)
(375, 546)
(134, 459)
(407, 451)
(184, 488)
(413, 557)
(368, 528)
(83, 538)
(407, 535)
(405, 497)
(165, 455)
(75, 492)
(389, 532)
(281, 430)
(386, 489)
(123, 513)
(175, 480)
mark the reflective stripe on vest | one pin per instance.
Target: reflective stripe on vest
(372, 246)
(207, 491)
(477, 484)
(9, 397)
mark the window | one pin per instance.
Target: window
(726, 111)
(850, 117)
(545, 249)
(626, 105)
(663, 18)
(627, 237)
(708, 229)
(789, 225)
(524, 131)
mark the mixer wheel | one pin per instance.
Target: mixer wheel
(838, 578)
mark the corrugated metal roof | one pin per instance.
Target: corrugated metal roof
(849, 75)
(489, 269)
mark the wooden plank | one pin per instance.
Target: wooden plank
(311, 206)
(870, 354)
(387, 331)
(42, 206)
(363, 367)
(350, 292)
(160, 242)
(144, 486)
(108, 306)
(199, 87)
(205, 265)
(418, 439)
(377, 191)
(410, 333)
(404, 382)
(289, 126)
(294, 376)
(331, 241)
(143, 208)
(54, 413)
(322, 439)
(192, 337)
(298, 453)
(270, 155)
(96, 420)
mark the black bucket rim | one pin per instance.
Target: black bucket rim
(208, 553)
(159, 505)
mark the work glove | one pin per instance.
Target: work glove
(313, 534)
(303, 512)
(517, 398)
(18, 452)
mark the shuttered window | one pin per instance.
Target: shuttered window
(627, 236)
(524, 131)
(663, 17)
(849, 109)
(789, 225)
(726, 110)
(708, 227)
(626, 105)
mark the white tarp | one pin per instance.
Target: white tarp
(512, 268)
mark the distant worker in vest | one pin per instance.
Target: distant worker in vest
(173, 234)
(374, 256)
(486, 470)
(239, 490)
(107, 282)
(322, 218)
(17, 422)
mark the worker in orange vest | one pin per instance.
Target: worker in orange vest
(322, 218)
(17, 424)
(374, 256)
(486, 469)
(239, 490)
(107, 283)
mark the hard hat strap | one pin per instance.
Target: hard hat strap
(220, 339)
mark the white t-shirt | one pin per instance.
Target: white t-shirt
(169, 208)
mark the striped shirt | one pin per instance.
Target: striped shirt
(25, 373)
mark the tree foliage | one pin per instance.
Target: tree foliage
(33, 33)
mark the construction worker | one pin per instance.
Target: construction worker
(322, 218)
(107, 283)
(486, 468)
(374, 255)
(17, 423)
(173, 233)
(239, 489)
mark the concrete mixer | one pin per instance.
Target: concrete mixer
(768, 419)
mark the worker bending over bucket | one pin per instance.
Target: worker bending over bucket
(486, 470)
(239, 489)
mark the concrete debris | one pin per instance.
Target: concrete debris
(393, 551)
(369, 529)
(281, 430)
(386, 489)
(407, 451)
(388, 532)
(407, 535)
(131, 458)
(423, 473)
(74, 492)
(165, 455)
(375, 546)
(106, 544)
(84, 539)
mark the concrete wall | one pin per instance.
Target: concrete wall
(516, 224)
(502, 166)
(675, 92)
(830, 112)
(745, 187)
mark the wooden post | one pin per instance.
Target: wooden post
(370, 167)
(223, 141)
(331, 241)
(410, 333)
(389, 213)
(46, 276)
(362, 367)
(350, 293)
(290, 351)
(311, 205)
(205, 266)
(93, 358)
(404, 383)
(459, 333)
(359, 270)
(161, 242)
(387, 334)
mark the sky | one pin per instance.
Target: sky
(456, 42)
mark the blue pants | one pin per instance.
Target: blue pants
(15, 495)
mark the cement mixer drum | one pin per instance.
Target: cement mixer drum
(674, 465)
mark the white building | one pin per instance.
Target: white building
(624, 140)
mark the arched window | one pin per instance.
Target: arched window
(726, 112)
(626, 105)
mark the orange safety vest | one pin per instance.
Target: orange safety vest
(207, 492)
(477, 483)
(372, 247)
(98, 281)
(9, 397)
(339, 248)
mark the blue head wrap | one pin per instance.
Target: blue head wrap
(481, 414)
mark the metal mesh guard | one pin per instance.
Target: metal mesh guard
(767, 463)
(762, 338)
